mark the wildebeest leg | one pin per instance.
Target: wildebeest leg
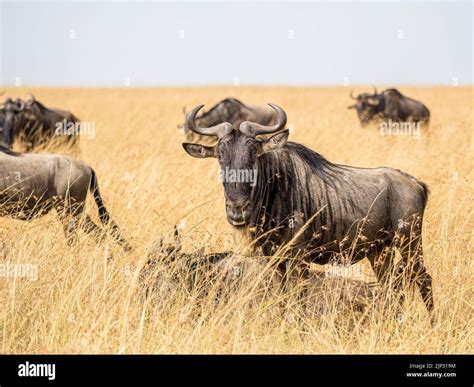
(283, 272)
(70, 229)
(383, 264)
(294, 274)
(117, 235)
(302, 276)
(415, 272)
(91, 228)
(69, 216)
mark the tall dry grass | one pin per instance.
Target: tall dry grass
(88, 299)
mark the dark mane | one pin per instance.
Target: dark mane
(283, 160)
(316, 162)
(39, 105)
(393, 92)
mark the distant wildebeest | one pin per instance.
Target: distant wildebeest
(7, 119)
(230, 110)
(35, 125)
(318, 211)
(31, 185)
(389, 105)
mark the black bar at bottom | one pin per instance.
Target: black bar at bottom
(318, 370)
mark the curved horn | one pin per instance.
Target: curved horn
(218, 130)
(375, 90)
(32, 100)
(20, 105)
(352, 95)
(254, 129)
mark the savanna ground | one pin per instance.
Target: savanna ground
(88, 299)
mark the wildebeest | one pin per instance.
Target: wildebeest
(230, 110)
(7, 118)
(31, 185)
(389, 105)
(200, 274)
(318, 211)
(34, 125)
(224, 274)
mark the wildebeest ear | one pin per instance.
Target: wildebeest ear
(199, 151)
(276, 141)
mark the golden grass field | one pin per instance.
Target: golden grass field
(88, 299)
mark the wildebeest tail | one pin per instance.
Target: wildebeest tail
(104, 215)
(425, 193)
(427, 118)
(94, 189)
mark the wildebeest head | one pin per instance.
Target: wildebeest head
(237, 151)
(7, 117)
(367, 106)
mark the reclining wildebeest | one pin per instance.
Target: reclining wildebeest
(317, 211)
(31, 185)
(226, 273)
(389, 105)
(230, 110)
(34, 125)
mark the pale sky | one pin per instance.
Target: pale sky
(51, 43)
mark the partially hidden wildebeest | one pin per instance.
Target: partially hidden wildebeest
(202, 274)
(230, 110)
(319, 211)
(389, 105)
(34, 125)
(224, 274)
(31, 185)
(7, 119)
